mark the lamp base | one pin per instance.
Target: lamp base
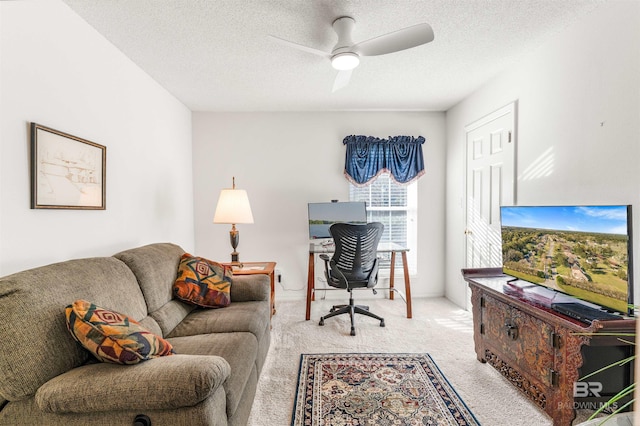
(234, 237)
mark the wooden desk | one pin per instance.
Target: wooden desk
(392, 248)
(258, 268)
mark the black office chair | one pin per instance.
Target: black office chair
(354, 265)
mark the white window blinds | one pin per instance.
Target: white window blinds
(395, 206)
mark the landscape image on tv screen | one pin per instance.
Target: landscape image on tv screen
(579, 250)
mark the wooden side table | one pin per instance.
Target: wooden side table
(258, 268)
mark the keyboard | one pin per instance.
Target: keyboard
(583, 313)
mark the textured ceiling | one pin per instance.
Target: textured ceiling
(215, 55)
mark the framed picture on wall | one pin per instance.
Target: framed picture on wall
(67, 172)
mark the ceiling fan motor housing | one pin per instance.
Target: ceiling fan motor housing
(343, 27)
(342, 57)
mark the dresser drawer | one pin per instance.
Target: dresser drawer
(521, 340)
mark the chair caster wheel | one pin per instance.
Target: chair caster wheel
(353, 331)
(382, 323)
(321, 321)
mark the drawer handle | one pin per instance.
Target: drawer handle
(512, 330)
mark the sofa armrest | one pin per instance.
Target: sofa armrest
(246, 288)
(162, 383)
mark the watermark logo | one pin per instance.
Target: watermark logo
(587, 405)
(587, 389)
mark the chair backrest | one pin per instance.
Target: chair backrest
(356, 248)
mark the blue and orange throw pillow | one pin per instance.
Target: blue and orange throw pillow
(203, 282)
(111, 336)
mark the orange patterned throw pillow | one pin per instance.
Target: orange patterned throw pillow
(113, 337)
(203, 282)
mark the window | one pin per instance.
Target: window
(396, 206)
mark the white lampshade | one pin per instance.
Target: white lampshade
(233, 207)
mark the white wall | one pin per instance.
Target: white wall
(57, 71)
(286, 160)
(578, 99)
(578, 108)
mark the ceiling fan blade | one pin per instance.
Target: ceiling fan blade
(301, 47)
(405, 38)
(342, 80)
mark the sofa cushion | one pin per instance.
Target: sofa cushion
(163, 383)
(111, 336)
(246, 288)
(41, 346)
(150, 324)
(171, 314)
(239, 349)
(155, 267)
(246, 316)
(203, 282)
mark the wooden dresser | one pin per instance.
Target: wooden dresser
(544, 353)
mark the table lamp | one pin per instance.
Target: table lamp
(233, 208)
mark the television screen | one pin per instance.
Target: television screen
(584, 251)
(323, 215)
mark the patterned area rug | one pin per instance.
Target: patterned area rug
(375, 389)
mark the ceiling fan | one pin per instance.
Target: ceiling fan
(345, 55)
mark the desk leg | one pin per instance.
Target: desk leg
(392, 274)
(407, 284)
(310, 284)
(272, 276)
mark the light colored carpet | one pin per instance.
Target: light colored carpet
(438, 328)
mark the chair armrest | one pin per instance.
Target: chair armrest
(327, 258)
(162, 383)
(373, 275)
(344, 282)
(246, 288)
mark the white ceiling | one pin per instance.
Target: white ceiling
(214, 55)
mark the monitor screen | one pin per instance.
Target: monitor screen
(323, 215)
(584, 251)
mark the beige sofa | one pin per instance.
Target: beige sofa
(47, 378)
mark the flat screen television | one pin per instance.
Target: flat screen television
(323, 215)
(583, 251)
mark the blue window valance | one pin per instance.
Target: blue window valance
(367, 157)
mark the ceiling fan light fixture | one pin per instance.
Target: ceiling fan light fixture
(345, 61)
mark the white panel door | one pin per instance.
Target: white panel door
(490, 183)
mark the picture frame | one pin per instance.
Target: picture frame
(67, 172)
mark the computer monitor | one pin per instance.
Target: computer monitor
(323, 215)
